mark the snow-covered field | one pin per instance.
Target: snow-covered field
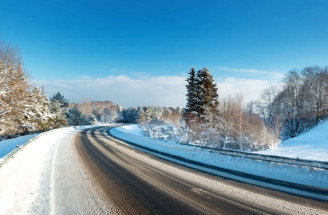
(290, 173)
(312, 145)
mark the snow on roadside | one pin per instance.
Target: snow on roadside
(294, 174)
(312, 145)
(25, 178)
(82, 127)
(133, 129)
(6, 146)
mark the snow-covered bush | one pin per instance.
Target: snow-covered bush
(157, 129)
(221, 137)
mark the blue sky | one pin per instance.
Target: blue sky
(80, 41)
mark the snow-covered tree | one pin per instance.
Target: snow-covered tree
(61, 100)
(202, 97)
(140, 115)
(59, 114)
(265, 106)
(192, 98)
(315, 83)
(75, 117)
(207, 108)
(302, 102)
(14, 92)
(38, 116)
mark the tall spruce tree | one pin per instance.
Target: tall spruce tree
(192, 98)
(208, 96)
(202, 96)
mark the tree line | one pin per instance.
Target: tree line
(23, 108)
(150, 114)
(299, 105)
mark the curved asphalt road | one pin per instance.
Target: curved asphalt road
(125, 180)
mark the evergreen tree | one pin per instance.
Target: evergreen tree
(75, 117)
(61, 99)
(58, 106)
(59, 114)
(192, 99)
(38, 115)
(207, 107)
(14, 92)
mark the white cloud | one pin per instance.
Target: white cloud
(157, 90)
(123, 90)
(251, 89)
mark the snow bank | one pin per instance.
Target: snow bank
(131, 129)
(6, 146)
(290, 173)
(82, 127)
(25, 178)
(312, 145)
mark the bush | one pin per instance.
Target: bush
(234, 129)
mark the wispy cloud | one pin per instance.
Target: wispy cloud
(275, 74)
(147, 90)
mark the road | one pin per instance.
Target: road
(124, 180)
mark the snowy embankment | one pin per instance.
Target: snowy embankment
(25, 178)
(8, 146)
(312, 145)
(290, 173)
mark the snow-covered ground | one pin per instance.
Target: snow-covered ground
(22, 178)
(290, 173)
(312, 145)
(131, 129)
(6, 146)
(28, 178)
